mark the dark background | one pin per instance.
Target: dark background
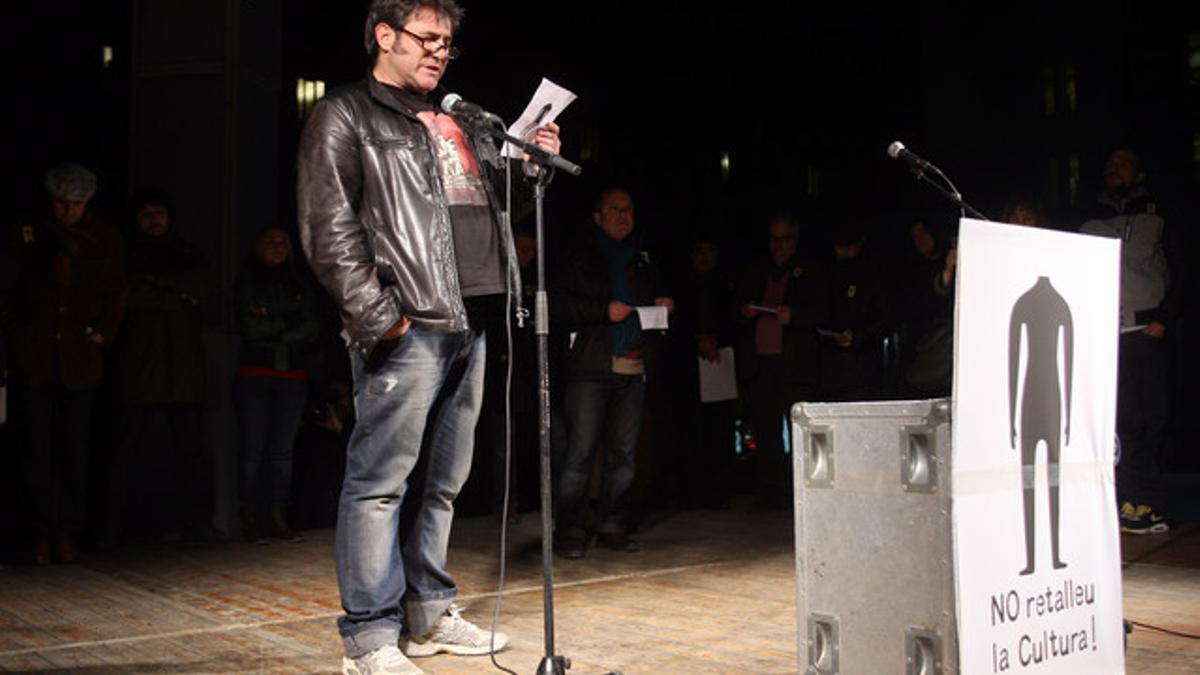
(199, 98)
(803, 100)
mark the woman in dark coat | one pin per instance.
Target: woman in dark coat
(277, 314)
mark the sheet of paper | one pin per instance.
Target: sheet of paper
(653, 318)
(548, 101)
(764, 310)
(718, 381)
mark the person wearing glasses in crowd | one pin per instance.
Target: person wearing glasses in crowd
(400, 221)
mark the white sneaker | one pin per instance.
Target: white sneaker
(453, 634)
(387, 660)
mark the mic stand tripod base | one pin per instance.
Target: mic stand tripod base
(558, 665)
(554, 665)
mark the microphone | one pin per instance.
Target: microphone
(453, 104)
(921, 167)
(897, 151)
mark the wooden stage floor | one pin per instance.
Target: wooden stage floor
(711, 592)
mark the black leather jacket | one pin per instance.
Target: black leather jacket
(374, 220)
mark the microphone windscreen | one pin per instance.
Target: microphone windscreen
(449, 101)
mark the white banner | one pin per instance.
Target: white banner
(1037, 558)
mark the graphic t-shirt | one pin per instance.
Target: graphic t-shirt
(476, 243)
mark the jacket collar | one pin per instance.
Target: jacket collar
(382, 96)
(1130, 203)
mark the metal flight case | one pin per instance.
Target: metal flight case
(874, 560)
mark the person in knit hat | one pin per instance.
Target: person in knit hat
(60, 310)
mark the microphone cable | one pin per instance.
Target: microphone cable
(508, 372)
(1168, 631)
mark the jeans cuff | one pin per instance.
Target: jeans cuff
(420, 614)
(364, 642)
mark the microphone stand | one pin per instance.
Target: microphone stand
(952, 194)
(551, 663)
(537, 154)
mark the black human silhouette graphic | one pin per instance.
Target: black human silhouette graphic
(1043, 313)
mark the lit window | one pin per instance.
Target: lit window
(308, 92)
(725, 165)
(1069, 86)
(1048, 90)
(1194, 57)
(107, 55)
(589, 150)
(1052, 183)
(1073, 180)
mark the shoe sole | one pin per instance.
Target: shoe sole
(1158, 528)
(419, 649)
(348, 668)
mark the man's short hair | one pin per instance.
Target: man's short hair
(786, 218)
(605, 193)
(396, 13)
(150, 194)
(1133, 152)
(70, 182)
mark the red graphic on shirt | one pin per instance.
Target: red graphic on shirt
(460, 169)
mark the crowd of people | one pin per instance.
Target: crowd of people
(844, 322)
(105, 355)
(90, 308)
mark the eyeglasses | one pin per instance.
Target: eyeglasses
(433, 44)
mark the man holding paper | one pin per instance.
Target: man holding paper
(400, 220)
(783, 300)
(607, 298)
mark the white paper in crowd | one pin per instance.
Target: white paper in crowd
(1035, 342)
(548, 101)
(653, 317)
(718, 381)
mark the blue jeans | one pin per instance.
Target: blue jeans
(611, 409)
(423, 400)
(269, 411)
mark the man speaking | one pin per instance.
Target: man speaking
(401, 225)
